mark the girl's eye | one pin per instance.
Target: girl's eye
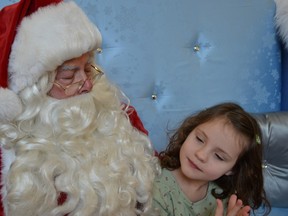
(199, 139)
(219, 157)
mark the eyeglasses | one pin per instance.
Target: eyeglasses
(75, 87)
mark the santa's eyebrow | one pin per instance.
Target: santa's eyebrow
(68, 67)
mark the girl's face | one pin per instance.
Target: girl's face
(210, 151)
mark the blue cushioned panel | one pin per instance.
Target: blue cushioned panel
(189, 55)
(274, 127)
(274, 212)
(284, 91)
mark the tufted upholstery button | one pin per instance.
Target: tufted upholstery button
(196, 48)
(264, 165)
(154, 96)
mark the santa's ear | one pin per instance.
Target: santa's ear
(230, 172)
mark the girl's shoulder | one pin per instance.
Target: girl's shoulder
(165, 179)
(166, 184)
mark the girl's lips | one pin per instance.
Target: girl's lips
(193, 165)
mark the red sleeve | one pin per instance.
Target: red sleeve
(135, 120)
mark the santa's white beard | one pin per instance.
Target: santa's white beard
(85, 147)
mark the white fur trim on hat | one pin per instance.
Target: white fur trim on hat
(281, 19)
(47, 38)
(10, 104)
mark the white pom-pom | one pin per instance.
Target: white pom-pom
(281, 18)
(10, 104)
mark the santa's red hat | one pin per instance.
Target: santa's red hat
(281, 18)
(36, 36)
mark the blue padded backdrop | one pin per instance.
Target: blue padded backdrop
(284, 91)
(173, 58)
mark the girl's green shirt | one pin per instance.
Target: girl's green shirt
(169, 199)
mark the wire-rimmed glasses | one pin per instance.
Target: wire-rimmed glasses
(75, 87)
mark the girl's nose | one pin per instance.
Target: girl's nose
(202, 154)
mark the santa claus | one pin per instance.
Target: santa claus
(68, 143)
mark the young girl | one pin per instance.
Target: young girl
(212, 156)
